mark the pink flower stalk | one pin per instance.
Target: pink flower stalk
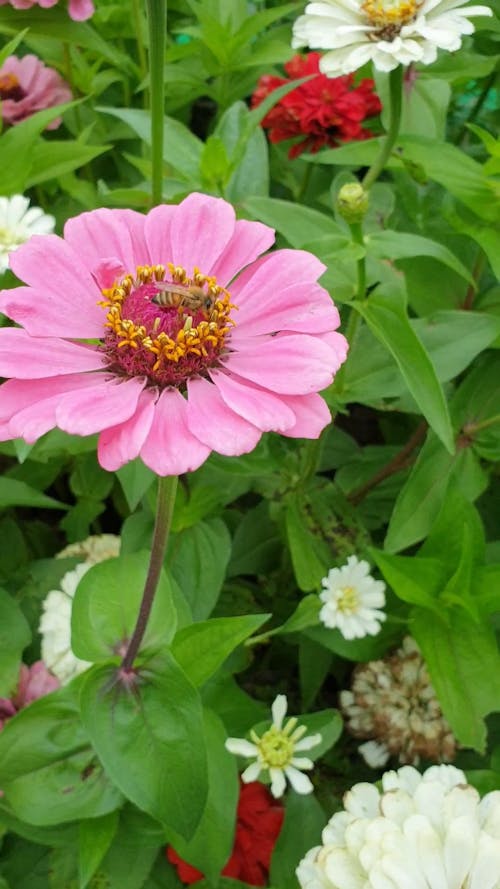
(28, 86)
(34, 682)
(79, 10)
(130, 331)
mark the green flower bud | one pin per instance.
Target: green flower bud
(352, 202)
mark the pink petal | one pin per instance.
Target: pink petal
(291, 364)
(170, 448)
(215, 424)
(32, 358)
(50, 264)
(81, 10)
(312, 415)
(337, 343)
(122, 443)
(157, 226)
(46, 313)
(30, 405)
(305, 308)
(266, 411)
(201, 229)
(106, 404)
(273, 273)
(107, 233)
(250, 239)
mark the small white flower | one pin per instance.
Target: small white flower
(387, 32)
(276, 751)
(18, 222)
(55, 622)
(352, 600)
(429, 831)
(55, 628)
(374, 753)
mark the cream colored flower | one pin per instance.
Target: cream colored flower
(353, 600)
(276, 752)
(55, 622)
(18, 222)
(386, 32)
(393, 703)
(429, 831)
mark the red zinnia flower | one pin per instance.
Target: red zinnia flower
(326, 110)
(258, 824)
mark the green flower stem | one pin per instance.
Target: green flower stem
(357, 236)
(395, 108)
(157, 25)
(167, 488)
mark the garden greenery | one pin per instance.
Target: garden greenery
(249, 436)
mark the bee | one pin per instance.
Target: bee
(179, 296)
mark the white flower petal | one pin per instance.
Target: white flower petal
(278, 710)
(278, 782)
(241, 747)
(308, 742)
(299, 781)
(251, 773)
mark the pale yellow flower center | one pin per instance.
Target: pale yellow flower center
(348, 601)
(9, 238)
(276, 748)
(389, 16)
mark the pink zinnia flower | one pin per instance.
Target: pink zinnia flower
(34, 682)
(79, 10)
(171, 364)
(27, 86)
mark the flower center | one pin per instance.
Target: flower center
(10, 239)
(388, 17)
(348, 600)
(276, 748)
(165, 325)
(10, 88)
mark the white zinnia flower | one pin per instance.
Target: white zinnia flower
(387, 32)
(276, 751)
(55, 623)
(352, 600)
(18, 222)
(429, 831)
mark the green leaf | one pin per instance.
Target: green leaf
(15, 635)
(309, 558)
(183, 150)
(458, 173)
(53, 159)
(301, 831)
(199, 556)
(106, 606)
(150, 740)
(386, 315)
(421, 498)
(464, 665)
(136, 479)
(202, 648)
(12, 45)
(211, 846)
(95, 838)
(446, 538)
(48, 770)
(298, 224)
(414, 580)
(17, 493)
(395, 245)
(56, 24)
(17, 147)
(246, 147)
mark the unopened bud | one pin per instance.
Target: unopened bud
(352, 202)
